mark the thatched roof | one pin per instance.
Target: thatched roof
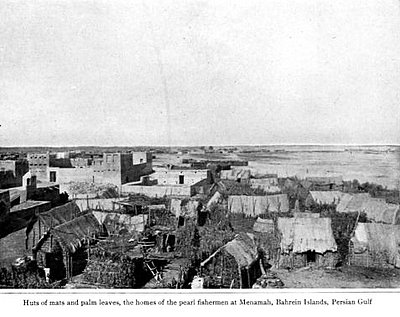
(59, 215)
(382, 240)
(376, 209)
(352, 202)
(256, 205)
(243, 249)
(380, 211)
(326, 197)
(263, 225)
(71, 234)
(300, 235)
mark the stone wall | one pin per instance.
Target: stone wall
(158, 190)
(176, 177)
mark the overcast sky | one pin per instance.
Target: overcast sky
(199, 72)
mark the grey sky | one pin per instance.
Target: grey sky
(236, 72)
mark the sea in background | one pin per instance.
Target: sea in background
(377, 164)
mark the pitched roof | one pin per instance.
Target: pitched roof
(380, 211)
(71, 234)
(382, 240)
(376, 209)
(352, 202)
(263, 225)
(59, 215)
(243, 249)
(326, 197)
(306, 234)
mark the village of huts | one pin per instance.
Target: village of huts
(195, 225)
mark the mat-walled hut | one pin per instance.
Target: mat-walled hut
(375, 245)
(306, 242)
(62, 234)
(234, 265)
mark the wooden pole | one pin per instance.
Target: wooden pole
(222, 270)
(240, 277)
(72, 265)
(262, 267)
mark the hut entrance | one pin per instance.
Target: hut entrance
(79, 261)
(54, 261)
(311, 257)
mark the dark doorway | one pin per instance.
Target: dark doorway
(54, 261)
(311, 257)
(53, 176)
(181, 179)
(79, 261)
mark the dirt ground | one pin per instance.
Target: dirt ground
(344, 277)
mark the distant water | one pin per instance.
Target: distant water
(378, 164)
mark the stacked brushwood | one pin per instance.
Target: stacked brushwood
(343, 226)
(163, 217)
(148, 200)
(26, 276)
(198, 243)
(268, 244)
(111, 269)
(211, 239)
(242, 222)
(216, 232)
(98, 190)
(184, 239)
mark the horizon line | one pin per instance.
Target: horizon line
(205, 145)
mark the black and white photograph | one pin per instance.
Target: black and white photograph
(200, 146)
